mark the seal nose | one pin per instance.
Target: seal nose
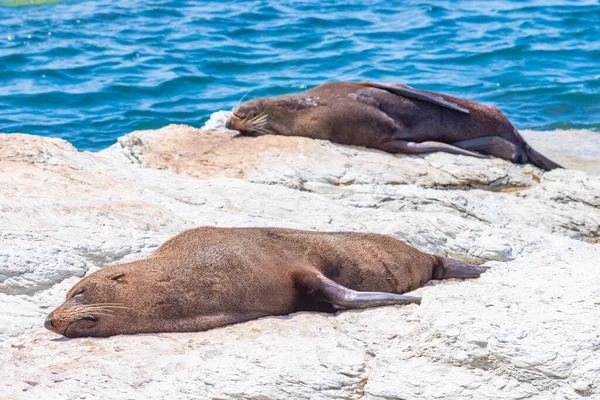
(48, 324)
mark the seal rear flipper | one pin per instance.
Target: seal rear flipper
(341, 296)
(448, 268)
(494, 146)
(539, 160)
(406, 147)
(412, 93)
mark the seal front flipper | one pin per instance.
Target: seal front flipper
(330, 291)
(412, 93)
(406, 147)
(494, 146)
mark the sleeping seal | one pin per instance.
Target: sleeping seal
(209, 277)
(389, 117)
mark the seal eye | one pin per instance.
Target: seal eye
(79, 291)
(117, 277)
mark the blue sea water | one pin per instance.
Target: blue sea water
(91, 71)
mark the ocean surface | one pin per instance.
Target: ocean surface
(91, 71)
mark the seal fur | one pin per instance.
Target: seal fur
(389, 117)
(209, 277)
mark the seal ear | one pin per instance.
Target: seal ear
(117, 277)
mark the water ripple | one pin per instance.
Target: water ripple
(91, 71)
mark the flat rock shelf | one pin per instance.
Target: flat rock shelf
(528, 329)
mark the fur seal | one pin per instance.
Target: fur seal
(389, 117)
(209, 277)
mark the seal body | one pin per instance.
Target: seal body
(389, 117)
(210, 277)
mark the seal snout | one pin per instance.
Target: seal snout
(234, 122)
(48, 324)
(52, 325)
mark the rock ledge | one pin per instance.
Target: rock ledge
(527, 329)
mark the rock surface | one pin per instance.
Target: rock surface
(573, 148)
(529, 328)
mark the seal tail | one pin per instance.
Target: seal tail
(540, 160)
(449, 268)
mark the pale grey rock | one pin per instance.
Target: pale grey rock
(527, 329)
(572, 148)
(517, 332)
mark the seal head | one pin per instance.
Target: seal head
(150, 295)
(103, 304)
(272, 115)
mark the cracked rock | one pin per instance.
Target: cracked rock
(528, 328)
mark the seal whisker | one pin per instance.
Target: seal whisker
(255, 119)
(260, 124)
(82, 309)
(104, 305)
(266, 133)
(266, 130)
(240, 100)
(82, 314)
(259, 130)
(103, 314)
(97, 309)
(260, 115)
(260, 120)
(108, 308)
(74, 309)
(73, 315)
(101, 309)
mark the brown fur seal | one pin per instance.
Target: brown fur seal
(389, 117)
(209, 277)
